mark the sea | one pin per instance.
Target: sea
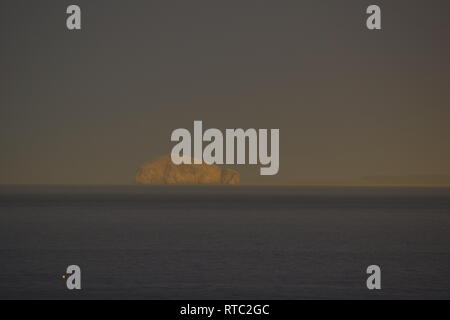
(230, 242)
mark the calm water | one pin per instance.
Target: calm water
(224, 243)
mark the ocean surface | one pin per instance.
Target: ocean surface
(224, 242)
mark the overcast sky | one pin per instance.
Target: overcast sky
(88, 107)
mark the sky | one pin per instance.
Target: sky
(90, 106)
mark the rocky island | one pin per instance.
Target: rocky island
(163, 171)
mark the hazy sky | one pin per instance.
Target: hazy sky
(90, 106)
